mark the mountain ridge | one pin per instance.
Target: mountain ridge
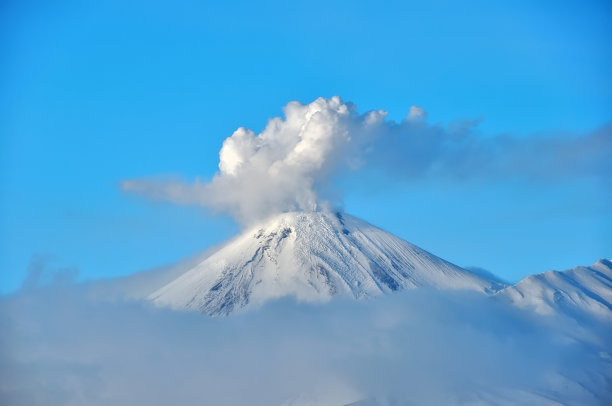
(582, 289)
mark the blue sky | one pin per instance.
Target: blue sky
(91, 94)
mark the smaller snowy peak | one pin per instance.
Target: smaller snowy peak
(311, 256)
(580, 290)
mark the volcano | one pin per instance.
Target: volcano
(312, 257)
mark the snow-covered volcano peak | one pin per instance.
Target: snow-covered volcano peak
(311, 256)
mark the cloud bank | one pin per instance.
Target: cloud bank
(62, 347)
(292, 163)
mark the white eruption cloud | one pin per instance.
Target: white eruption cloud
(291, 164)
(283, 167)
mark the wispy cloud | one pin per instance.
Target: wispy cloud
(291, 163)
(40, 272)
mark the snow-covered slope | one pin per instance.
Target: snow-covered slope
(578, 290)
(311, 256)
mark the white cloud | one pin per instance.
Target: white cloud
(416, 113)
(60, 346)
